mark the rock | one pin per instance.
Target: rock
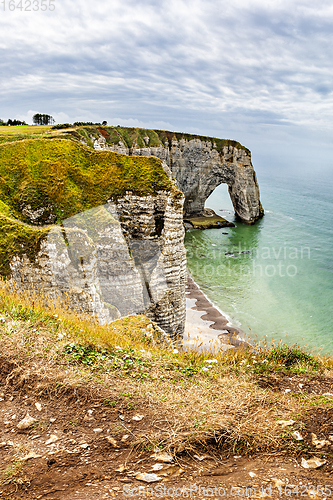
(121, 468)
(87, 418)
(162, 457)
(297, 436)
(138, 417)
(285, 423)
(84, 445)
(111, 440)
(319, 443)
(277, 482)
(157, 467)
(53, 438)
(139, 234)
(98, 430)
(38, 406)
(124, 438)
(312, 463)
(30, 455)
(148, 478)
(252, 474)
(204, 221)
(26, 422)
(199, 166)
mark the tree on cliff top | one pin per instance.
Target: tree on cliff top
(39, 119)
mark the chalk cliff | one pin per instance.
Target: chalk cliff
(198, 166)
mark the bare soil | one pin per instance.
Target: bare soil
(83, 464)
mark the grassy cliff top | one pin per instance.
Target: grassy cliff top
(129, 136)
(64, 178)
(142, 138)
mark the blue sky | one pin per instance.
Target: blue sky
(255, 71)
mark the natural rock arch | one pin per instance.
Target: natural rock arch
(199, 168)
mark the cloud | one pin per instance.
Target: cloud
(173, 63)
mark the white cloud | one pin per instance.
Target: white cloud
(176, 63)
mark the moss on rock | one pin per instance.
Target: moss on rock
(18, 239)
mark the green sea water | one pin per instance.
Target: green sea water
(274, 278)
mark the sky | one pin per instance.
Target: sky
(256, 71)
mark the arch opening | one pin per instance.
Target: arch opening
(219, 201)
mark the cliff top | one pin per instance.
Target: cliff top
(143, 138)
(129, 136)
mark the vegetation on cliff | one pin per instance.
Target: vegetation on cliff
(18, 239)
(129, 136)
(63, 178)
(137, 137)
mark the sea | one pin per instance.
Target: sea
(274, 279)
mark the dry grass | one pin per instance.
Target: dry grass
(55, 350)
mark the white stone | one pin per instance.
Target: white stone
(26, 422)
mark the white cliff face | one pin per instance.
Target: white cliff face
(158, 222)
(117, 259)
(198, 168)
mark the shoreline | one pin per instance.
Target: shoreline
(206, 326)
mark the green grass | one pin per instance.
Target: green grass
(291, 356)
(11, 473)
